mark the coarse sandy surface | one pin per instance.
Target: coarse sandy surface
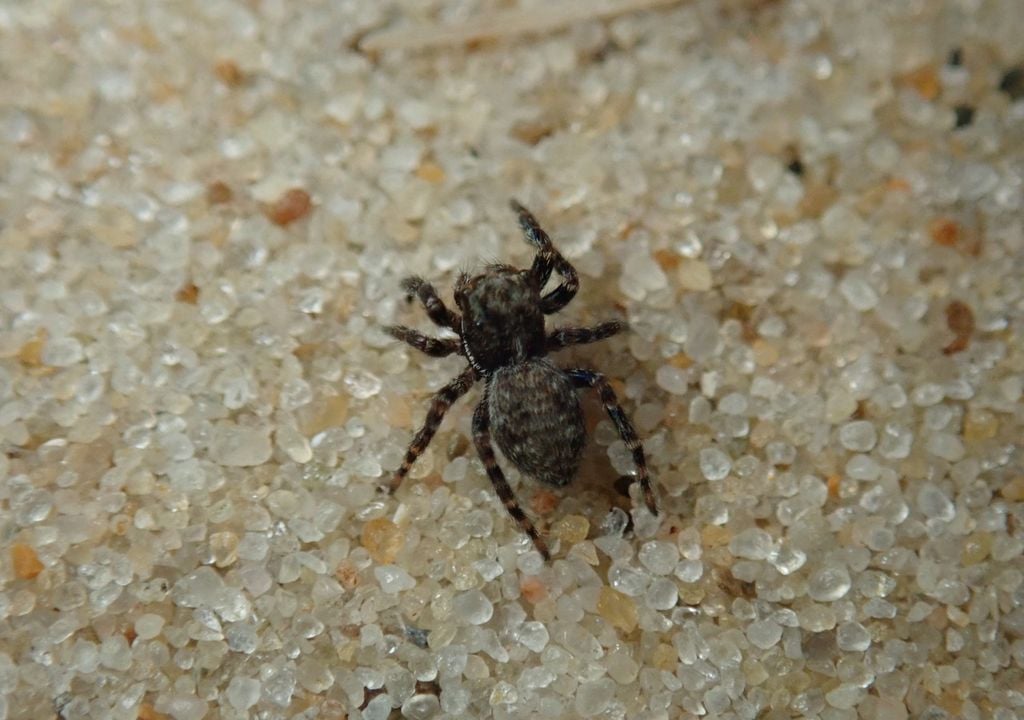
(810, 213)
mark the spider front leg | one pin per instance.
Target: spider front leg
(548, 259)
(482, 440)
(437, 311)
(589, 378)
(442, 400)
(435, 347)
(564, 337)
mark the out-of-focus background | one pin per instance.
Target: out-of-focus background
(809, 211)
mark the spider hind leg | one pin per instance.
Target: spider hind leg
(482, 440)
(443, 399)
(591, 379)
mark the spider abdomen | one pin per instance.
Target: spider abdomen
(537, 420)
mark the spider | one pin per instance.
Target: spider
(529, 405)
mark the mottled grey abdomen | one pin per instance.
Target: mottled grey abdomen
(536, 420)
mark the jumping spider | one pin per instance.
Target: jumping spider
(529, 404)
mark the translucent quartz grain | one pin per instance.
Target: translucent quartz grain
(694, 275)
(383, 539)
(571, 529)
(714, 464)
(592, 698)
(62, 352)
(237, 446)
(764, 634)
(148, 626)
(689, 571)
(503, 693)
(828, 584)
(659, 557)
(934, 504)
(662, 594)
(858, 436)
(534, 635)
(672, 380)
(627, 580)
(362, 384)
(752, 543)
(641, 274)
(618, 609)
(853, 637)
(858, 292)
(472, 607)
(946, 446)
(393, 579)
(242, 692)
(927, 394)
(379, 708)
(535, 677)
(862, 467)
(421, 706)
(845, 697)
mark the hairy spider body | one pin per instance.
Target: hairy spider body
(502, 324)
(544, 439)
(529, 407)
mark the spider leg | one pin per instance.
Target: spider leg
(589, 378)
(482, 440)
(565, 336)
(442, 400)
(548, 259)
(436, 347)
(437, 311)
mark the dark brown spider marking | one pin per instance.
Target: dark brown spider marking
(529, 406)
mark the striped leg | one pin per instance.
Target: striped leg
(482, 440)
(548, 259)
(436, 309)
(589, 378)
(563, 337)
(443, 399)
(435, 347)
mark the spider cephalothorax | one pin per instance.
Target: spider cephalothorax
(529, 405)
(502, 323)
